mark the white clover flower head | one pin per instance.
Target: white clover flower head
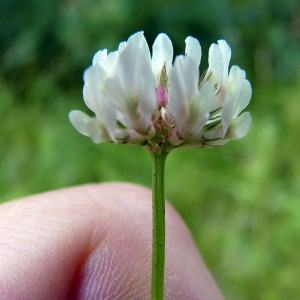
(146, 100)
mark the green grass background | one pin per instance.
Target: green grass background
(240, 201)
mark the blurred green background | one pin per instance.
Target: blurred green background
(241, 201)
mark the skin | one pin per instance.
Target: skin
(94, 242)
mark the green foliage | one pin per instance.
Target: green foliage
(241, 201)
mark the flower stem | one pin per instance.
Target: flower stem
(159, 224)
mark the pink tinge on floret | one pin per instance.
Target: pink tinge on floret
(161, 95)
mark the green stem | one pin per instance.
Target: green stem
(159, 224)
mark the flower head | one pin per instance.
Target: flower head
(144, 99)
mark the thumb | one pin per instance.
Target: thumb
(94, 242)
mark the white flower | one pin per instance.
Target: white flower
(142, 99)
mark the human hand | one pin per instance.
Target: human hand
(94, 242)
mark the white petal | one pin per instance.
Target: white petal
(116, 95)
(231, 107)
(107, 62)
(139, 40)
(200, 107)
(215, 133)
(215, 61)
(210, 138)
(240, 126)
(132, 89)
(94, 78)
(95, 97)
(134, 73)
(136, 37)
(162, 54)
(228, 111)
(80, 120)
(131, 67)
(244, 97)
(87, 126)
(97, 134)
(183, 85)
(110, 62)
(197, 118)
(122, 46)
(236, 79)
(193, 49)
(100, 57)
(88, 98)
(226, 54)
(207, 96)
(213, 138)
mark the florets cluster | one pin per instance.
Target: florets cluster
(145, 99)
